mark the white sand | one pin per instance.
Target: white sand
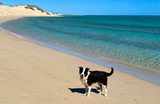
(22, 11)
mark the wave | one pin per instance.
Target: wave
(11, 33)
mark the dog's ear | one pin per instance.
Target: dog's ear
(87, 69)
(80, 70)
(80, 67)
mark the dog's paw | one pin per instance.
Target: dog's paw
(100, 93)
(105, 95)
(88, 95)
(85, 94)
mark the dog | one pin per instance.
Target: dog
(90, 77)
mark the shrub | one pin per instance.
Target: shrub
(1, 3)
(33, 6)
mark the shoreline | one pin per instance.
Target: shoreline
(31, 73)
(147, 75)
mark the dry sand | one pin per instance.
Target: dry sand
(33, 74)
(22, 11)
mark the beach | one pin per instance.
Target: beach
(33, 74)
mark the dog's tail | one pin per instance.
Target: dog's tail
(112, 70)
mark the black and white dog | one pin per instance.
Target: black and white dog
(89, 77)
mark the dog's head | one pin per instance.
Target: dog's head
(83, 72)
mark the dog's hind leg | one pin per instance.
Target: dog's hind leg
(100, 85)
(105, 88)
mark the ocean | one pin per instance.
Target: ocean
(132, 41)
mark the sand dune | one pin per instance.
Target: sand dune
(24, 10)
(33, 74)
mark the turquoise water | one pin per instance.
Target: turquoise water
(131, 40)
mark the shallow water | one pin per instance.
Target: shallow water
(131, 40)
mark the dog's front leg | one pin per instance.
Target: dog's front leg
(89, 90)
(86, 90)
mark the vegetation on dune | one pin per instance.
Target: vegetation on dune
(1, 3)
(32, 7)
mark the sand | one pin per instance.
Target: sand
(33, 74)
(22, 11)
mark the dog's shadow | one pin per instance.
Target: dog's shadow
(82, 90)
